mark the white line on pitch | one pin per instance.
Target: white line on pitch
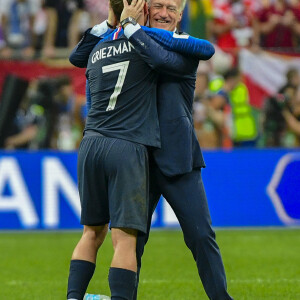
(250, 280)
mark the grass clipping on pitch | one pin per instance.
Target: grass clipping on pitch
(260, 264)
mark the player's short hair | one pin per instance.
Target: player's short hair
(117, 7)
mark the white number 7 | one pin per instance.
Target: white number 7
(123, 67)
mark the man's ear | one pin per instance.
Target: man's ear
(180, 17)
(146, 13)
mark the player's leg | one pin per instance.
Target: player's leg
(187, 198)
(142, 239)
(90, 242)
(124, 244)
(122, 273)
(128, 190)
(83, 261)
(94, 215)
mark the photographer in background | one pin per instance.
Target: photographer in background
(49, 117)
(292, 79)
(292, 119)
(279, 118)
(35, 118)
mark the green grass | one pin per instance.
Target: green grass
(260, 264)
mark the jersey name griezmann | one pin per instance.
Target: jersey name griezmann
(112, 51)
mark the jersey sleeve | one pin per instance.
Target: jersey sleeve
(159, 58)
(80, 54)
(182, 43)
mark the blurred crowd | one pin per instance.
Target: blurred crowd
(51, 117)
(41, 27)
(224, 118)
(231, 24)
(35, 28)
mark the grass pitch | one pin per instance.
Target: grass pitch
(260, 264)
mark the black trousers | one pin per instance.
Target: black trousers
(186, 196)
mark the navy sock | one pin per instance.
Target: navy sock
(81, 272)
(122, 283)
(137, 283)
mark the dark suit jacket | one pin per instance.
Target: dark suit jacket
(180, 151)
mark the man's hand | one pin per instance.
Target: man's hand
(112, 20)
(134, 10)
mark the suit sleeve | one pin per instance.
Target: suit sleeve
(159, 58)
(80, 54)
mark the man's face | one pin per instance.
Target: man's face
(165, 14)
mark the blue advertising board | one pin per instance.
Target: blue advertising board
(38, 189)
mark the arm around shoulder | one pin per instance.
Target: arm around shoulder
(156, 56)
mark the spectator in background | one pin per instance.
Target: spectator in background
(33, 123)
(281, 115)
(29, 137)
(291, 111)
(17, 25)
(70, 121)
(201, 17)
(292, 79)
(296, 8)
(2, 40)
(240, 127)
(277, 26)
(50, 117)
(63, 24)
(233, 23)
(224, 23)
(292, 119)
(209, 115)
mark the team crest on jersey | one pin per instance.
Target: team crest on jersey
(112, 51)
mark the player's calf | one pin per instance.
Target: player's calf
(122, 274)
(82, 265)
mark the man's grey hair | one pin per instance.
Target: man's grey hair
(183, 3)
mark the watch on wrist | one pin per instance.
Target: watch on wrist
(128, 20)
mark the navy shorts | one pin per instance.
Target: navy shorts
(113, 182)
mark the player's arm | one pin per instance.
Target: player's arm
(182, 43)
(80, 54)
(156, 56)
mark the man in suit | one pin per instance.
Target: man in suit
(175, 168)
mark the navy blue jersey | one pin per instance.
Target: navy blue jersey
(123, 94)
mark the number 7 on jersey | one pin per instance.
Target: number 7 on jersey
(123, 67)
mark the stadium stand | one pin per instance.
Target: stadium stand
(247, 33)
